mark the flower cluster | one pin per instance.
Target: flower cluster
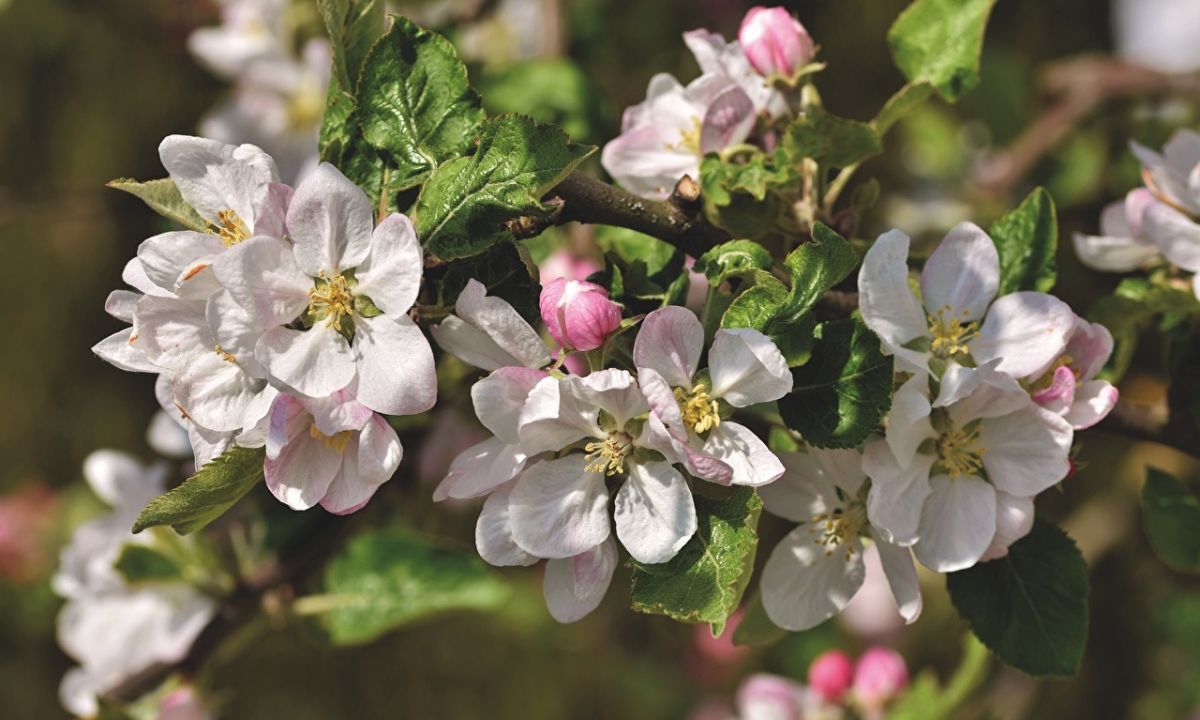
(284, 325)
(561, 442)
(1158, 221)
(278, 95)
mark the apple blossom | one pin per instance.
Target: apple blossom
(745, 368)
(1069, 387)
(350, 287)
(1174, 178)
(1122, 244)
(830, 675)
(715, 56)
(578, 314)
(250, 30)
(489, 333)
(818, 567)
(770, 697)
(879, 677)
(956, 317)
(775, 43)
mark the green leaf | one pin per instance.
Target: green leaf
(940, 42)
(1029, 607)
(506, 272)
(899, 105)
(141, 563)
(550, 90)
(840, 396)
(816, 266)
(353, 27)
(1172, 519)
(385, 579)
(705, 581)
(733, 258)
(828, 139)
(1027, 239)
(206, 495)
(414, 102)
(1135, 304)
(163, 198)
(463, 206)
(756, 176)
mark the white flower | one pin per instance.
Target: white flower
(1158, 34)
(574, 586)
(559, 508)
(818, 567)
(745, 368)
(250, 30)
(113, 630)
(334, 451)
(1024, 331)
(1069, 387)
(489, 333)
(1174, 178)
(665, 137)
(1122, 244)
(936, 476)
(352, 289)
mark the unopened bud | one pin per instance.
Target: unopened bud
(774, 42)
(881, 675)
(578, 314)
(830, 675)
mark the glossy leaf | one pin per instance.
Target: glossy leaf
(940, 42)
(1027, 239)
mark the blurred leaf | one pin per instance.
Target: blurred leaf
(1031, 606)
(756, 629)
(755, 177)
(1172, 519)
(385, 579)
(463, 206)
(353, 27)
(926, 700)
(1027, 239)
(918, 699)
(841, 395)
(163, 198)
(940, 42)
(632, 246)
(732, 258)
(206, 495)
(550, 90)
(900, 104)
(1136, 302)
(705, 581)
(504, 270)
(414, 102)
(828, 139)
(140, 563)
(110, 710)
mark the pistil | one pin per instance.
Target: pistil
(700, 412)
(950, 333)
(608, 455)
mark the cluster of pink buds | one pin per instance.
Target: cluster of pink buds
(877, 678)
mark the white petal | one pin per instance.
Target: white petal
(364, 468)
(118, 350)
(984, 393)
(670, 342)
(908, 423)
(237, 330)
(752, 461)
(958, 523)
(574, 587)
(167, 437)
(301, 475)
(559, 509)
(747, 368)
(885, 299)
(396, 375)
(120, 480)
(502, 324)
(554, 417)
(1014, 520)
(1112, 254)
(337, 413)
(654, 512)
(648, 160)
(330, 221)
(212, 176)
(897, 494)
(480, 469)
(391, 273)
(499, 398)
(121, 304)
(166, 257)
(169, 331)
(316, 362)
(493, 533)
(901, 574)
(805, 489)
(134, 275)
(1026, 331)
(471, 345)
(262, 276)
(1175, 235)
(214, 392)
(1094, 400)
(613, 391)
(962, 275)
(803, 586)
(1026, 451)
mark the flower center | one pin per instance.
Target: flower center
(608, 455)
(336, 442)
(227, 357)
(229, 227)
(699, 411)
(839, 526)
(689, 140)
(951, 333)
(1047, 378)
(331, 300)
(959, 451)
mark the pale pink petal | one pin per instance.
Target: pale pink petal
(391, 272)
(330, 221)
(1026, 451)
(500, 322)
(303, 472)
(803, 586)
(480, 469)
(1059, 395)
(962, 275)
(727, 121)
(500, 397)
(1014, 520)
(574, 587)
(1025, 331)
(554, 417)
(337, 412)
(1175, 234)
(396, 373)
(752, 461)
(670, 342)
(957, 524)
(654, 512)
(559, 509)
(493, 533)
(613, 391)
(364, 468)
(1094, 400)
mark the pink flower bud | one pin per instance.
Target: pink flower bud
(578, 314)
(774, 42)
(830, 675)
(880, 676)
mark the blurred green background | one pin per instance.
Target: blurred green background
(89, 88)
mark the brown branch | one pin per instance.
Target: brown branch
(678, 220)
(1078, 86)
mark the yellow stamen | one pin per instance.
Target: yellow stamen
(330, 300)
(959, 452)
(1047, 379)
(951, 333)
(229, 227)
(840, 526)
(689, 140)
(608, 455)
(336, 442)
(224, 355)
(699, 412)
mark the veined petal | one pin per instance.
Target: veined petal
(1026, 451)
(330, 221)
(471, 345)
(738, 447)
(500, 397)
(316, 362)
(958, 523)
(654, 512)
(305, 468)
(747, 368)
(166, 257)
(559, 509)
(648, 160)
(901, 575)
(803, 586)
(169, 331)
(500, 322)
(480, 469)
(391, 273)
(728, 119)
(574, 587)
(897, 493)
(885, 300)
(962, 274)
(805, 489)
(670, 342)
(396, 374)
(493, 533)
(1025, 331)
(215, 392)
(212, 176)
(263, 278)
(554, 417)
